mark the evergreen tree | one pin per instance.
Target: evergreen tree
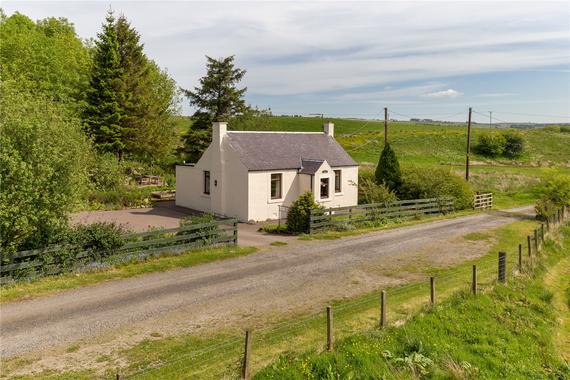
(216, 99)
(388, 170)
(103, 112)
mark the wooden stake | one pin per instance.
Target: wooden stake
(246, 356)
(432, 290)
(385, 125)
(529, 246)
(520, 257)
(383, 309)
(502, 267)
(330, 344)
(474, 280)
(536, 240)
(468, 146)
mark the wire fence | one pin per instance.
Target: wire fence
(231, 357)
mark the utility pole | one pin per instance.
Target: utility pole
(490, 119)
(385, 125)
(468, 146)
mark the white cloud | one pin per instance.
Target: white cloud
(449, 93)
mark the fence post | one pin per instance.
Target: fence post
(548, 224)
(246, 356)
(474, 280)
(432, 290)
(235, 231)
(536, 240)
(118, 376)
(542, 232)
(520, 257)
(502, 266)
(329, 329)
(383, 309)
(529, 246)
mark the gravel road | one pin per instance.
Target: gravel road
(288, 279)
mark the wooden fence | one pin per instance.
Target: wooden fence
(64, 258)
(483, 201)
(323, 219)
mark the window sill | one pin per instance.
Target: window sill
(339, 194)
(280, 200)
(205, 195)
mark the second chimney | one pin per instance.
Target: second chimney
(328, 128)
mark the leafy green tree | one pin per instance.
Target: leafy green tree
(43, 168)
(103, 113)
(217, 98)
(490, 145)
(45, 57)
(388, 170)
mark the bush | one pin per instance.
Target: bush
(106, 172)
(514, 144)
(388, 169)
(418, 183)
(491, 145)
(556, 193)
(370, 192)
(298, 218)
(101, 238)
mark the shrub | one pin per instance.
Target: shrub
(298, 218)
(106, 172)
(556, 193)
(514, 144)
(388, 169)
(424, 182)
(102, 238)
(370, 192)
(490, 145)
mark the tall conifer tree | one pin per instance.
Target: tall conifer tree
(103, 112)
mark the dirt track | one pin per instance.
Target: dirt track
(295, 278)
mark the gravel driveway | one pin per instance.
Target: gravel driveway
(291, 279)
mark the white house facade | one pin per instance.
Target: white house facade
(248, 175)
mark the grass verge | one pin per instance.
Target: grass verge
(504, 332)
(54, 284)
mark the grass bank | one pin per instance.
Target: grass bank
(55, 284)
(504, 332)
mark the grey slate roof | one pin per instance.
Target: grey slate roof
(279, 150)
(310, 166)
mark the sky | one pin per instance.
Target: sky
(352, 59)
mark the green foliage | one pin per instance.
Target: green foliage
(514, 144)
(101, 237)
(555, 194)
(43, 168)
(388, 170)
(435, 183)
(105, 172)
(491, 145)
(216, 99)
(370, 192)
(298, 218)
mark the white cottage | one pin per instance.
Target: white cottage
(248, 175)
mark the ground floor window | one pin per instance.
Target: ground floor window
(324, 188)
(276, 186)
(206, 182)
(337, 181)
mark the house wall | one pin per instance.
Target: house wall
(235, 191)
(190, 184)
(349, 186)
(260, 205)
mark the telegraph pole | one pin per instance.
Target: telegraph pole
(468, 146)
(385, 125)
(490, 119)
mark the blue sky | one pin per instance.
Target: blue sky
(420, 59)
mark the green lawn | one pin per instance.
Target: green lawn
(54, 284)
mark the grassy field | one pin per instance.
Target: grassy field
(54, 284)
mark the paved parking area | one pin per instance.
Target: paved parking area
(167, 215)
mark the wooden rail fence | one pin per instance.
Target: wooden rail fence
(61, 258)
(326, 218)
(483, 201)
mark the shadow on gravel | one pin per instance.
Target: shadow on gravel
(513, 214)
